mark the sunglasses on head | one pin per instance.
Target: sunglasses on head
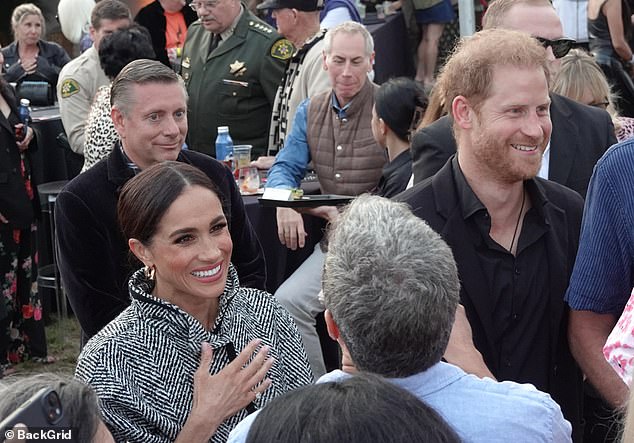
(560, 47)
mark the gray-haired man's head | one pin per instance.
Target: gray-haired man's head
(391, 285)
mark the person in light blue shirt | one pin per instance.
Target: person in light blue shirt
(391, 289)
(358, 409)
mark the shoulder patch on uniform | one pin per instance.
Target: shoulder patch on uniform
(282, 49)
(69, 87)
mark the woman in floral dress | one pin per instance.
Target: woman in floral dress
(21, 327)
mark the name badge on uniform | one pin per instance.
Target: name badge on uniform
(185, 63)
(226, 81)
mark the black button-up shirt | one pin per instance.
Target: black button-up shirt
(518, 286)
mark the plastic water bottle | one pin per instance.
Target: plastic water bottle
(24, 114)
(224, 146)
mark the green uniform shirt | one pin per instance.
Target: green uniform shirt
(235, 85)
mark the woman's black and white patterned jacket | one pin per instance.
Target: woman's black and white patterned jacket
(142, 363)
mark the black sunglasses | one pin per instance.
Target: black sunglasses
(560, 47)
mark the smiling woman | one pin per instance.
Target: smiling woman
(190, 251)
(212, 350)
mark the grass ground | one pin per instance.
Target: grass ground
(63, 339)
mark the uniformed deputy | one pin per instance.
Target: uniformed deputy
(80, 78)
(232, 65)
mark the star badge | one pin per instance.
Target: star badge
(237, 68)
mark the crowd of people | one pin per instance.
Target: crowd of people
(478, 286)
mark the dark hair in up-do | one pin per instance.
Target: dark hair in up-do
(400, 103)
(146, 198)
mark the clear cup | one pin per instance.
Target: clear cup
(241, 156)
(380, 12)
(361, 9)
(387, 7)
(248, 180)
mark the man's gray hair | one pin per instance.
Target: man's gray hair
(139, 72)
(391, 285)
(349, 27)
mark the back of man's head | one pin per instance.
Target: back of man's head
(109, 10)
(498, 9)
(139, 72)
(391, 285)
(469, 70)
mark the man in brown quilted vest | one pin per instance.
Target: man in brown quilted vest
(333, 130)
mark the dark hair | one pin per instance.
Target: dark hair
(78, 400)
(7, 91)
(109, 10)
(400, 103)
(361, 409)
(123, 46)
(139, 72)
(146, 198)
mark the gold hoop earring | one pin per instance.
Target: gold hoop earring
(150, 272)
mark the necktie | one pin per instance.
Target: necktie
(215, 40)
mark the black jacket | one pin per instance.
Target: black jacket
(581, 134)
(436, 201)
(14, 200)
(153, 18)
(94, 260)
(50, 60)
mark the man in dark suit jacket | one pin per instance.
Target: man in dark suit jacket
(581, 134)
(514, 236)
(149, 113)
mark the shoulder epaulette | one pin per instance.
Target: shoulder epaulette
(261, 27)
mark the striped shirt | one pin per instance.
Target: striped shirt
(142, 363)
(603, 275)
